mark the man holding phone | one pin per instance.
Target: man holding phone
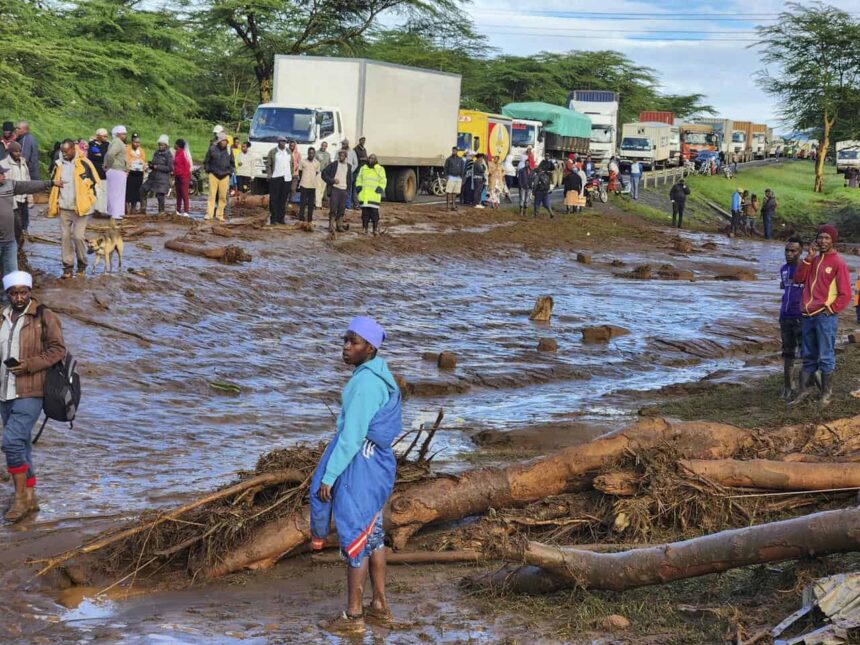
(31, 341)
(826, 291)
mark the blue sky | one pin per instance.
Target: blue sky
(694, 46)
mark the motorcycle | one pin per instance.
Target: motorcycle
(595, 190)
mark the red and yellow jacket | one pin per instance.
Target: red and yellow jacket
(826, 284)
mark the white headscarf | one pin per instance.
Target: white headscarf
(17, 279)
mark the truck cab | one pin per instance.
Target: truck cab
(739, 141)
(307, 126)
(847, 155)
(525, 133)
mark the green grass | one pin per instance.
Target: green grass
(792, 183)
(648, 213)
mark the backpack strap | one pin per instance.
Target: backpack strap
(39, 310)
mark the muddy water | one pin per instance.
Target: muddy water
(152, 428)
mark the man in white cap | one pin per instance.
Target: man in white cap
(355, 475)
(9, 189)
(160, 169)
(31, 341)
(116, 171)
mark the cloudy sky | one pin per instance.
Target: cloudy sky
(694, 46)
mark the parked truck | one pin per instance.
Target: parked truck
(742, 140)
(484, 132)
(656, 116)
(601, 106)
(647, 143)
(696, 138)
(408, 115)
(525, 133)
(759, 142)
(565, 130)
(723, 129)
(847, 155)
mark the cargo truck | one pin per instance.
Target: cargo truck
(654, 116)
(847, 155)
(759, 141)
(484, 132)
(601, 107)
(408, 115)
(742, 140)
(647, 143)
(723, 129)
(565, 130)
(696, 138)
(525, 133)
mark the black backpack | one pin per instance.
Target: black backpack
(542, 181)
(62, 392)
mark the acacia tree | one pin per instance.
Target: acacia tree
(269, 27)
(815, 53)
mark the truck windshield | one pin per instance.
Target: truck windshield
(700, 138)
(738, 137)
(636, 143)
(269, 123)
(848, 154)
(464, 141)
(601, 134)
(522, 135)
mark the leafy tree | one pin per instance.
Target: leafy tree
(815, 53)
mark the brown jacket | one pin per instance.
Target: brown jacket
(35, 357)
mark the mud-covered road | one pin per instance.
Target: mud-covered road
(153, 430)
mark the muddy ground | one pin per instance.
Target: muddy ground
(158, 340)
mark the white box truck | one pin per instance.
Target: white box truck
(408, 115)
(723, 129)
(602, 107)
(648, 143)
(847, 155)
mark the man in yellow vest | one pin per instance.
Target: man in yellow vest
(371, 182)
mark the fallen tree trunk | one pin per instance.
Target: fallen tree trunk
(812, 535)
(776, 475)
(474, 492)
(230, 254)
(248, 200)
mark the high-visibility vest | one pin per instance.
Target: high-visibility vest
(369, 179)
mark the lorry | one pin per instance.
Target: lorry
(847, 155)
(696, 138)
(408, 115)
(655, 116)
(565, 131)
(601, 106)
(484, 132)
(723, 129)
(759, 142)
(742, 140)
(647, 143)
(525, 133)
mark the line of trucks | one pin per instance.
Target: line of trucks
(411, 118)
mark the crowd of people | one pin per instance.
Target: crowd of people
(745, 208)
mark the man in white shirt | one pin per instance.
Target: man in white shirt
(279, 172)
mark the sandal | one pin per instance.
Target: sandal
(345, 624)
(381, 617)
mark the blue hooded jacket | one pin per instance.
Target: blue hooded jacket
(359, 461)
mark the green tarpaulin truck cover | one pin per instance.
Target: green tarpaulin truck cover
(556, 119)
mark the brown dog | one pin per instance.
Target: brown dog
(104, 247)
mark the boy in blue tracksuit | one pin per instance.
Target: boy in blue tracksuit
(356, 474)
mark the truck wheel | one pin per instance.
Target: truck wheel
(404, 187)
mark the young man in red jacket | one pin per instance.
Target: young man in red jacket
(826, 291)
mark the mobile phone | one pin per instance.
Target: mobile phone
(11, 362)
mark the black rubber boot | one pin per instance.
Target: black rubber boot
(826, 388)
(375, 229)
(807, 388)
(788, 379)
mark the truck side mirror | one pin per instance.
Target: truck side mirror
(318, 117)
(540, 135)
(654, 146)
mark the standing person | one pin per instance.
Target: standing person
(635, 178)
(352, 160)
(116, 169)
(324, 157)
(73, 198)
(29, 149)
(588, 166)
(361, 152)
(296, 159)
(309, 175)
(338, 177)
(790, 314)
(244, 169)
(524, 184)
(181, 177)
(826, 291)
(97, 150)
(510, 177)
(7, 138)
(371, 183)
(737, 202)
(355, 476)
(613, 173)
(479, 180)
(280, 176)
(467, 193)
(218, 163)
(453, 169)
(572, 184)
(235, 149)
(750, 212)
(735, 159)
(495, 182)
(541, 183)
(678, 195)
(10, 189)
(30, 334)
(19, 172)
(136, 159)
(530, 158)
(768, 212)
(160, 169)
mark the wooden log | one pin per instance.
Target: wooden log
(474, 492)
(230, 254)
(776, 475)
(247, 200)
(813, 535)
(620, 484)
(542, 311)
